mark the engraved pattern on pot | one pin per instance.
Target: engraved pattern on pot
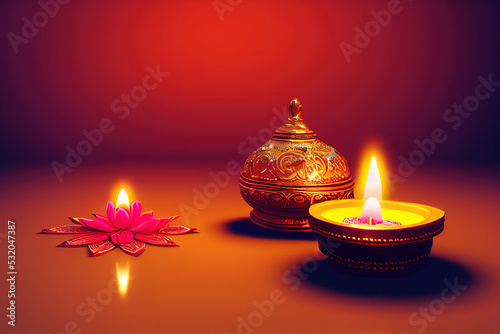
(290, 199)
(297, 162)
(278, 221)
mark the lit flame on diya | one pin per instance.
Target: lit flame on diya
(373, 187)
(372, 212)
(122, 278)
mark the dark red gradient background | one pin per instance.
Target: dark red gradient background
(227, 76)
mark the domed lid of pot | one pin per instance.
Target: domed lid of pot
(294, 157)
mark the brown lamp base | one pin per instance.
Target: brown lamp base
(299, 224)
(376, 260)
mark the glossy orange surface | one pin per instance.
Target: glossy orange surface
(235, 277)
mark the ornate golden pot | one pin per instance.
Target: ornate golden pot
(293, 170)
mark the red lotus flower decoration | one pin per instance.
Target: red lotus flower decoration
(125, 227)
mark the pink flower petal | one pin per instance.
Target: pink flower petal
(145, 216)
(134, 247)
(163, 222)
(135, 215)
(114, 238)
(105, 220)
(155, 239)
(177, 229)
(68, 229)
(101, 247)
(122, 219)
(86, 239)
(122, 237)
(96, 225)
(148, 226)
(75, 220)
(110, 212)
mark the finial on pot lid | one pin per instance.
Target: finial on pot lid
(294, 128)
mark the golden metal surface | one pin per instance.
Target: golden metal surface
(294, 128)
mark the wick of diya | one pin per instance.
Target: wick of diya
(372, 212)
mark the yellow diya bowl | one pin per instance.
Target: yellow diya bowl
(376, 250)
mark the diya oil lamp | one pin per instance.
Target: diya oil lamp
(375, 237)
(282, 178)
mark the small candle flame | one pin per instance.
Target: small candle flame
(373, 187)
(122, 278)
(122, 200)
(372, 212)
